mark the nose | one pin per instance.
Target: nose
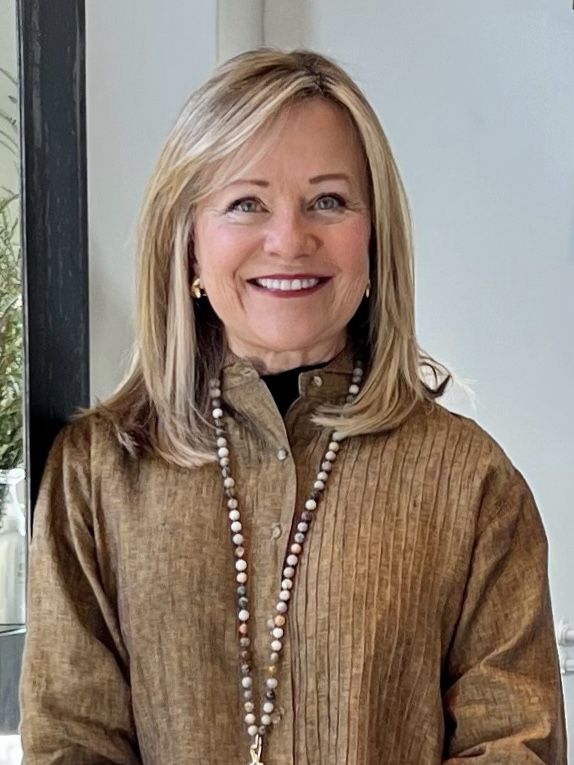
(290, 235)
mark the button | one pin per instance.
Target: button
(282, 454)
(317, 381)
(276, 530)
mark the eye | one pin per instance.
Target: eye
(330, 202)
(244, 205)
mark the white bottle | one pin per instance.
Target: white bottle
(12, 558)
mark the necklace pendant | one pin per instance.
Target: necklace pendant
(255, 751)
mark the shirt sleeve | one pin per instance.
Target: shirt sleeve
(502, 692)
(75, 697)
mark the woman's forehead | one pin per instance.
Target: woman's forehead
(313, 135)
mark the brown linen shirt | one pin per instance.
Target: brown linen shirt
(420, 631)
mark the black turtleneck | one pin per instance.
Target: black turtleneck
(284, 386)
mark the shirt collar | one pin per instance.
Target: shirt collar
(322, 382)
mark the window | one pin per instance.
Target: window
(45, 315)
(13, 539)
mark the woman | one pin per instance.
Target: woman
(272, 544)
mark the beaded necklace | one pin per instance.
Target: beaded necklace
(277, 623)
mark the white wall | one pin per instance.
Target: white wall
(478, 102)
(142, 62)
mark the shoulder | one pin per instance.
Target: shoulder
(88, 463)
(88, 441)
(456, 433)
(478, 459)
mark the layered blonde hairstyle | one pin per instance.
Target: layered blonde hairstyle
(162, 405)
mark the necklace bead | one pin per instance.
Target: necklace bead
(276, 624)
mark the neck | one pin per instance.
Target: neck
(268, 362)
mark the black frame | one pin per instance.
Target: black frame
(55, 252)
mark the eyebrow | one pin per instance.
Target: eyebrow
(315, 179)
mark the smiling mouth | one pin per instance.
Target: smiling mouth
(289, 285)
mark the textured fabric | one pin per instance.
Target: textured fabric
(420, 631)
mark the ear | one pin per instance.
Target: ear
(193, 266)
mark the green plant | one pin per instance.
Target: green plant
(11, 351)
(9, 127)
(11, 343)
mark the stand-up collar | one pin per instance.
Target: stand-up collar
(323, 381)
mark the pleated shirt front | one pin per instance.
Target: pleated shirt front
(419, 629)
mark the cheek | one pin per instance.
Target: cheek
(222, 251)
(350, 248)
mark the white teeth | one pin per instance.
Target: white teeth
(287, 285)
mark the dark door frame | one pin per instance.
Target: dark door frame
(51, 41)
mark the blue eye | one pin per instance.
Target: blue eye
(245, 205)
(326, 203)
(329, 199)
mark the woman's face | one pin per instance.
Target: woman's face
(282, 249)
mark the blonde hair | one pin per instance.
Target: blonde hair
(162, 405)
